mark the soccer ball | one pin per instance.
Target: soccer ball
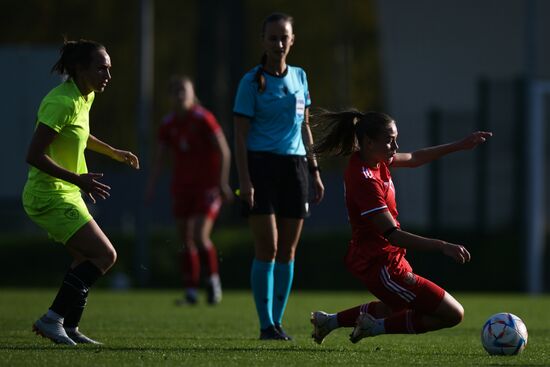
(504, 334)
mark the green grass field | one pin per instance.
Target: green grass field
(145, 328)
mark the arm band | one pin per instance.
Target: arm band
(388, 233)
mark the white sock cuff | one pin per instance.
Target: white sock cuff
(54, 315)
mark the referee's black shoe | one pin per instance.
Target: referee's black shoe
(279, 328)
(271, 333)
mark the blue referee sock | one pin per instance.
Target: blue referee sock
(283, 274)
(261, 279)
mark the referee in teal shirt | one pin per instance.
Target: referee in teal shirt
(272, 138)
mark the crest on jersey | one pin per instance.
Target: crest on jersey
(367, 172)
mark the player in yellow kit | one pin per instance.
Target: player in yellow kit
(58, 174)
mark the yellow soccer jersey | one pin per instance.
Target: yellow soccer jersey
(65, 110)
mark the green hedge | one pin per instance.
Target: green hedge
(497, 261)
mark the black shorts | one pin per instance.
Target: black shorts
(280, 185)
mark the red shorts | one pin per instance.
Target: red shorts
(399, 288)
(193, 203)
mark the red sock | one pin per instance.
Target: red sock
(405, 322)
(190, 268)
(209, 256)
(348, 318)
(374, 310)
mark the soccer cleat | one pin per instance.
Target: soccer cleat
(214, 291)
(80, 338)
(281, 331)
(319, 320)
(190, 298)
(363, 328)
(270, 333)
(52, 329)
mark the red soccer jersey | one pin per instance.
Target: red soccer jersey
(196, 160)
(369, 191)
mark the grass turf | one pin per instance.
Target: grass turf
(145, 328)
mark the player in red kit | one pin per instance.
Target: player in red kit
(200, 175)
(407, 303)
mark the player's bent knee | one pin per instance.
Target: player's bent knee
(107, 259)
(455, 317)
(111, 257)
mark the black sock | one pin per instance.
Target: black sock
(72, 319)
(75, 287)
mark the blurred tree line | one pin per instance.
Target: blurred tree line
(214, 42)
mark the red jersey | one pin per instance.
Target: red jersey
(196, 160)
(369, 191)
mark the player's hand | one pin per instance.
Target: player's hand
(246, 193)
(458, 252)
(319, 189)
(127, 157)
(89, 184)
(474, 139)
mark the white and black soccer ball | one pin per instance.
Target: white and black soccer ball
(504, 334)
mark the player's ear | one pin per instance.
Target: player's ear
(367, 142)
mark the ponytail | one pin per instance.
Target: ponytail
(75, 53)
(342, 132)
(337, 130)
(259, 77)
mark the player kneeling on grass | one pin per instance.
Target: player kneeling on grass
(58, 174)
(408, 303)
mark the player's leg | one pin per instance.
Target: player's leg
(324, 323)
(427, 307)
(72, 319)
(293, 207)
(429, 312)
(289, 230)
(96, 256)
(189, 260)
(411, 321)
(264, 174)
(209, 257)
(204, 219)
(264, 233)
(449, 313)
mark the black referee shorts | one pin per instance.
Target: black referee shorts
(280, 185)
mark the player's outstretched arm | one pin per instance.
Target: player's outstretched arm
(429, 154)
(124, 156)
(387, 227)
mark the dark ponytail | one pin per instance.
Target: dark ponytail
(75, 53)
(337, 130)
(275, 17)
(259, 77)
(342, 132)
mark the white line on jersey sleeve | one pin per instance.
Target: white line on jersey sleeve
(373, 210)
